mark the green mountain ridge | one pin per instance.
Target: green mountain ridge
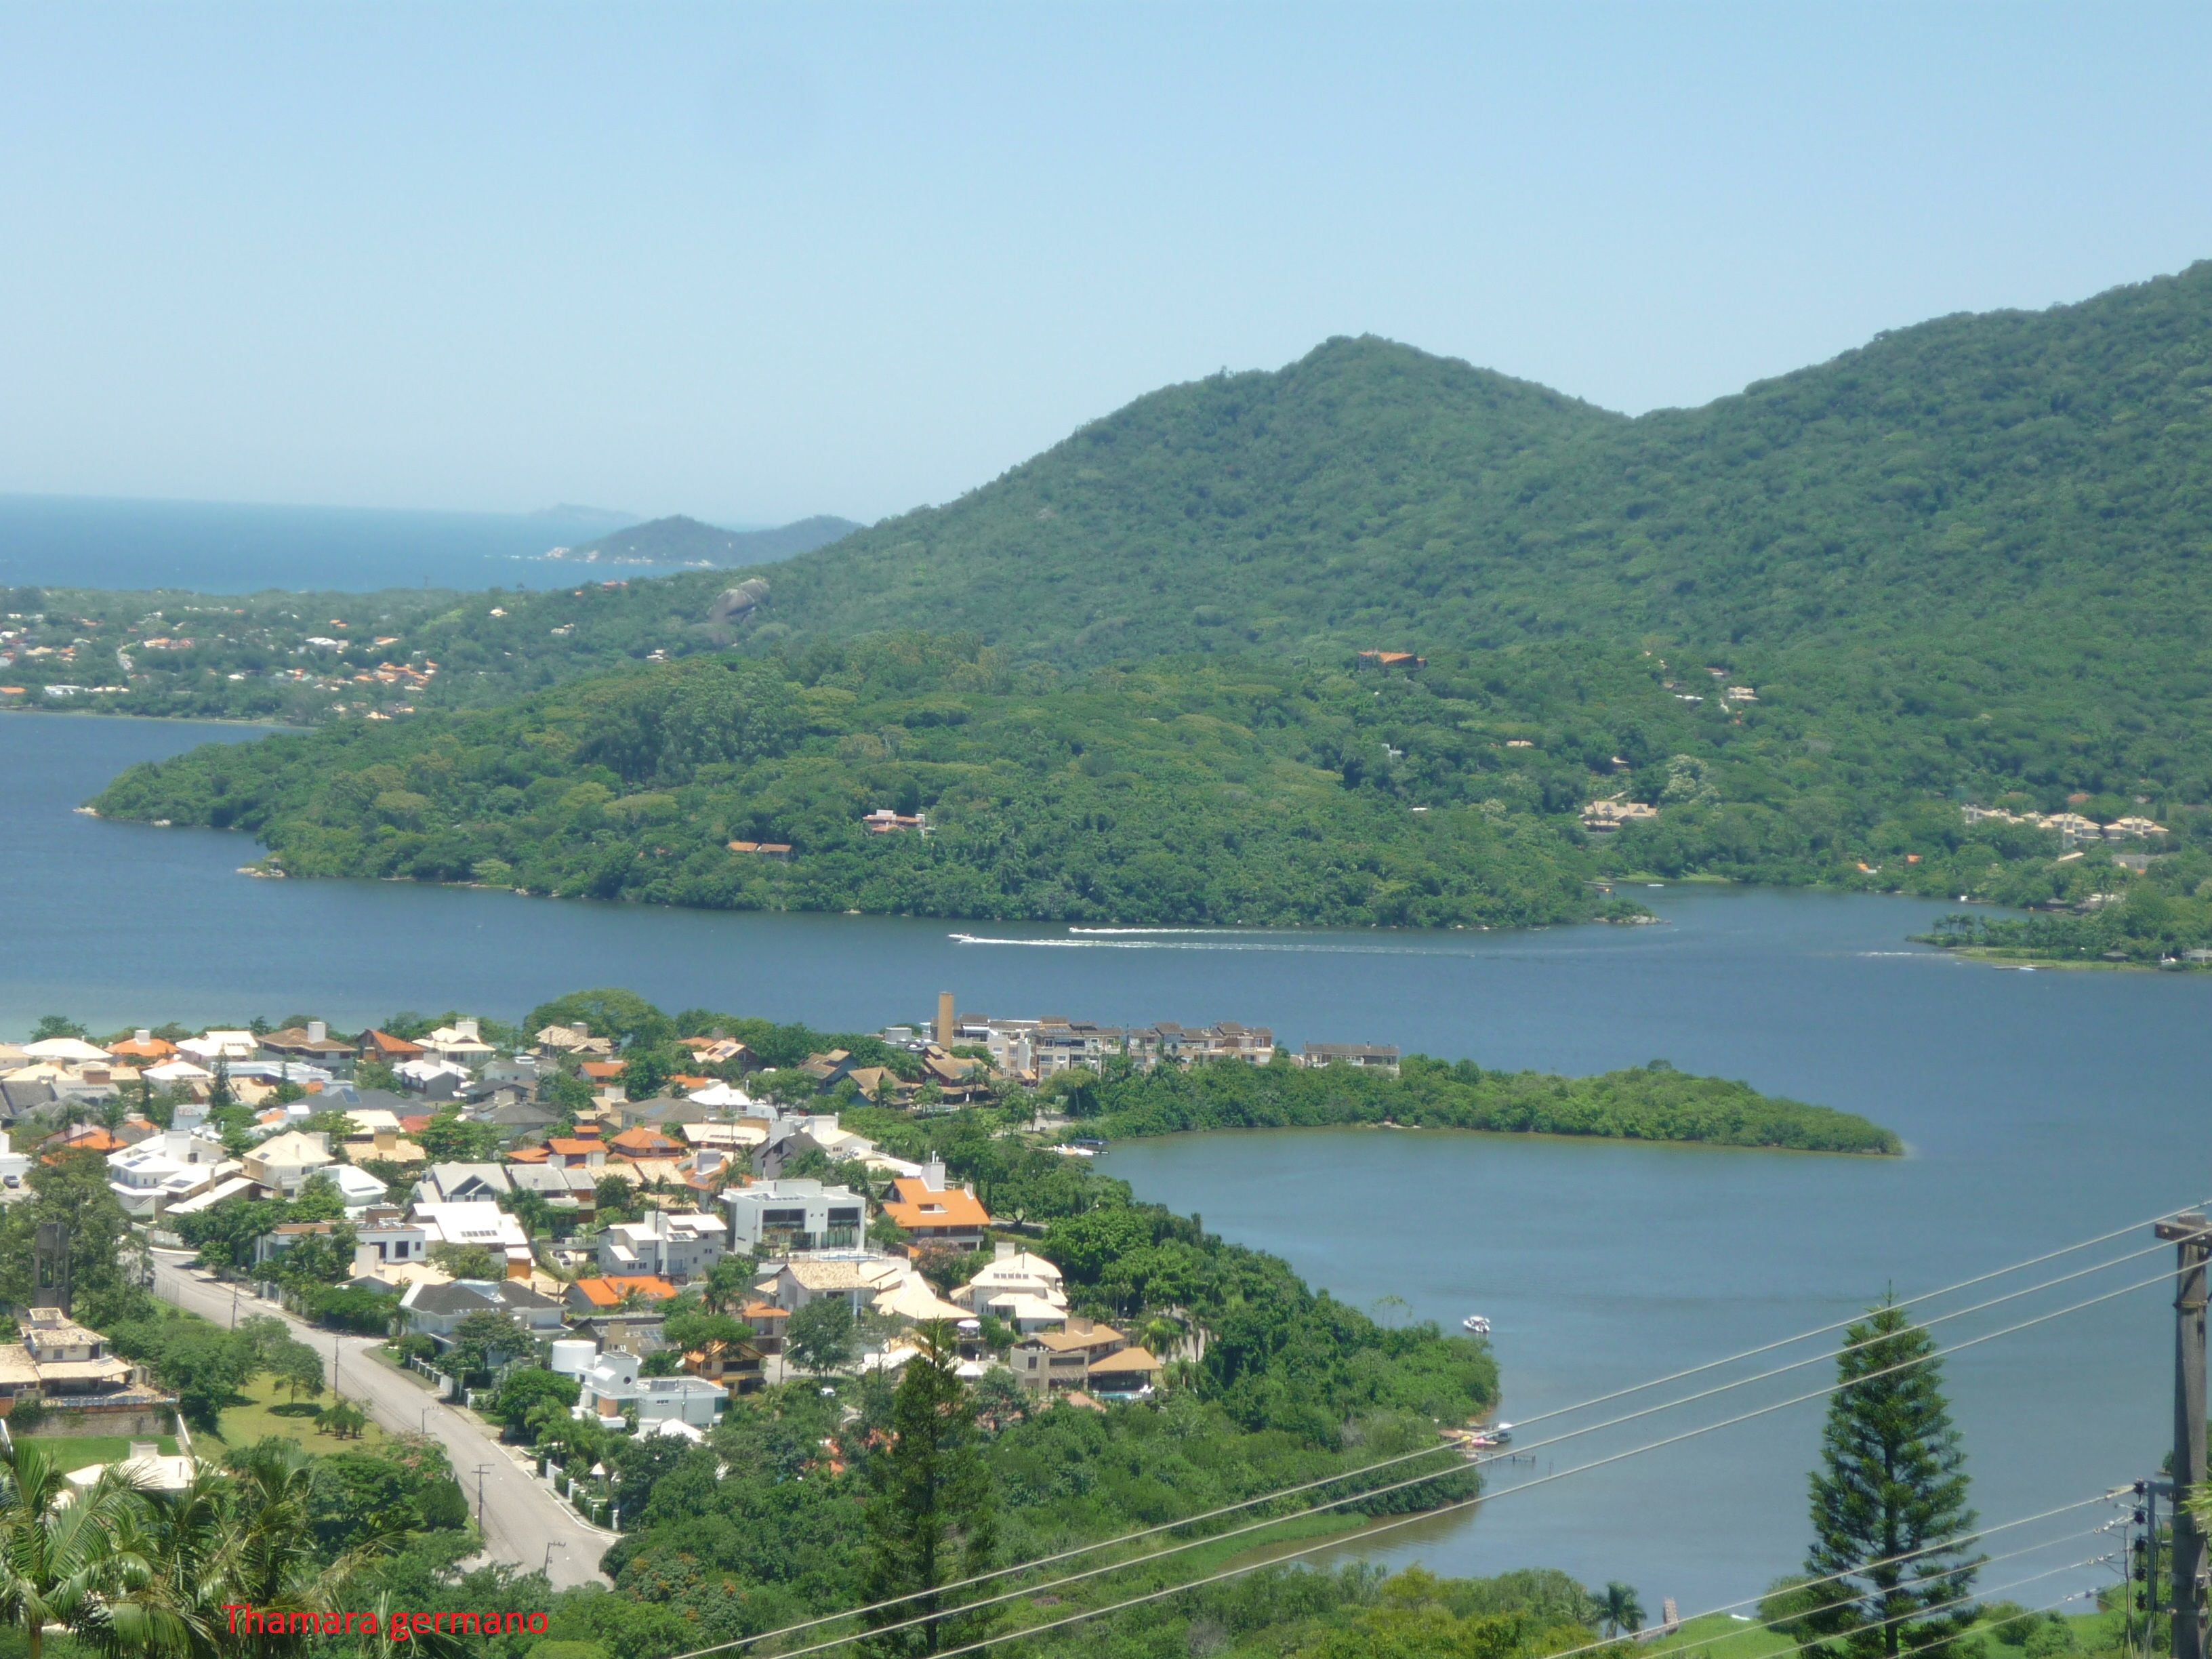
(2002, 469)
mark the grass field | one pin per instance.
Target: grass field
(77, 1451)
(265, 1409)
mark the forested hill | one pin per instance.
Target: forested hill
(2036, 479)
(679, 540)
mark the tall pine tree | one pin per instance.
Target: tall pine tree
(929, 1507)
(1892, 1482)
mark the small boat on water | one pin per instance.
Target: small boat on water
(1475, 1325)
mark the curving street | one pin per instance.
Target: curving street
(523, 1522)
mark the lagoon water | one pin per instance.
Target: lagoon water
(2039, 1109)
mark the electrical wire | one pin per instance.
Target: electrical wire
(1298, 1489)
(1957, 1541)
(1388, 1526)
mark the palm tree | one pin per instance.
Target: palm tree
(244, 1536)
(1624, 1614)
(59, 1551)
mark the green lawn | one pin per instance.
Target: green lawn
(265, 1409)
(77, 1451)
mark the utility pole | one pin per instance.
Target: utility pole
(482, 1468)
(2192, 1236)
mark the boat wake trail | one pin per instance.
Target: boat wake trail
(1215, 942)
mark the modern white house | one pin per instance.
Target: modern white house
(14, 1165)
(673, 1246)
(459, 1042)
(612, 1382)
(480, 1223)
(165, 1168)
(358, 1189)
(778, 1218)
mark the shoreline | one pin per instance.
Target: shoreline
(1902, 1156)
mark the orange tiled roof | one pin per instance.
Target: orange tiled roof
(609, 1292)
(528, 1155)
(576, 1148)
(756, 1311)
(390, 1047)
(919, 1210)
(602, 1071)
(151, 1049)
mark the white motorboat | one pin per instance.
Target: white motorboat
(1475, 1325)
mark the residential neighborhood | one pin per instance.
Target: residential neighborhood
(492, 1197)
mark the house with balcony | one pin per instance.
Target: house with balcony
(675, 1245)
(1084, 1354)
(933, 1212)
(784, 1218)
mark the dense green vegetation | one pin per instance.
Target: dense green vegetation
(1650, 1102)
(1204, 795)
(1217, 790)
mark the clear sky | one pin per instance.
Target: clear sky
(755, 262)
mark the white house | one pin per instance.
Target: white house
(461, 1042)
(776, 1218)
(165, 1168)
(1025, 1290)
(481, 1223)
(612, 1382)
(385, 1238)
(358, 1189)
(675, 1247)
(14, 1165)
(212, 1046)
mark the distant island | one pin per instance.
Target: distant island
(683, 541)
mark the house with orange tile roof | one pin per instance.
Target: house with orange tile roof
(144, 1046)
(387, 1050)
(576, 1151)
(605, 1295)
(643, 1142)
(930, 1211)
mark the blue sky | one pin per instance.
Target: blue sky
(753, 262)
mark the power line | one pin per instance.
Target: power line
(1387, 1525)
(1278, 1495)
(1954, 1542)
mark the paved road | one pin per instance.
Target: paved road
(521, 1517)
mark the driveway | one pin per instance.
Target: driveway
(519, 1516)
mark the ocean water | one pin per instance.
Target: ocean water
(220, 547)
